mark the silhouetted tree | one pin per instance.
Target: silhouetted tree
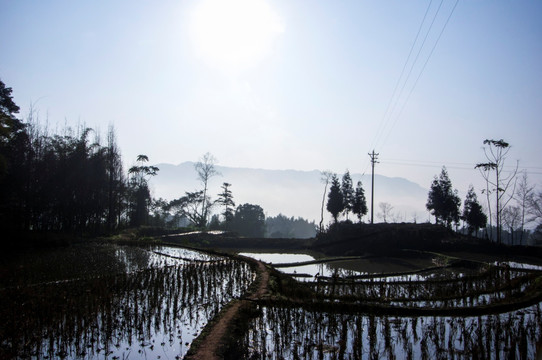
(116, 183)
(473, 214)
(281, 226)
(63, 182)
(189, 206)
(535, 208)
(359, 206)
(159, 212)
(495, 153)
(443, 201)
(9, 124)
(511, 218)
(335, 202)
(385, 211)
(536, 235)
(347, 190)
(325, 177)
(206, 170)
(215, 224)
(225, 198)
(524, 193)
(15, 151)
(249, 220)
(139, 188)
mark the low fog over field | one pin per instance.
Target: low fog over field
(292, 192)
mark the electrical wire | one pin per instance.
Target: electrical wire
(383, 122)
(412, 68)
(378, 141)
(534, 170)
(421, 72)
(385, 119)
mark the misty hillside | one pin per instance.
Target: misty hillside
(290, 192)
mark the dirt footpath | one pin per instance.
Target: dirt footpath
(209, 346)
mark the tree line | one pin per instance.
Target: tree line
(343, 198)
(198, 209)
(511, 204)
(70, 182)
(75, 182)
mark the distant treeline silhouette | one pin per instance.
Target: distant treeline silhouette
(69, 182)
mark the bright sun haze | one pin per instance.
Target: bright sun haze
(234, 33)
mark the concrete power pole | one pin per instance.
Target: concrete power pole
(374, 158)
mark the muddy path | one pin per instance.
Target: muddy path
(213, 338)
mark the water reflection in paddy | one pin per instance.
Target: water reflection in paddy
(114, 302)
(279, 258)
(302, 271)
(289, 333)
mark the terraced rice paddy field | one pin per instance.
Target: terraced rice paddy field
(117, 302)
(426, 307)
(96, 301)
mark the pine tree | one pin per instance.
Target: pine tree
(473, 213)
(347, 191)
(360, 203)
(443, 201)
(225, 198)
(335, 202)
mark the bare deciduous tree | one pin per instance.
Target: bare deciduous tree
(495, 152)
(511, 217)
(535, 208)
(206, 170)
(524, 193)
(325, 177)
(385, 211)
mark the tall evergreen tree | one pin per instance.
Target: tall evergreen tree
(473, 214)
(9, 124)
(116, 183)
(139, 187)
(360, 203)
(225, 198)
(347, 190)
(443, 201)
(335, 202)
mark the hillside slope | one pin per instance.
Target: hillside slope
(290, 192)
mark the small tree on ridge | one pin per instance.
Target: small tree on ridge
(335, 202)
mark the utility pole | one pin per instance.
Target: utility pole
(374, 158)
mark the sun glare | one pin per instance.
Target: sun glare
(234, 32)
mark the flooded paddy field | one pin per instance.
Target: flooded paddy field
(297, 333)
(100, 301)
(303, 266)
(423, 307)
(107, 301)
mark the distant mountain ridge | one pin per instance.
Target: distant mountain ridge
(294, 193)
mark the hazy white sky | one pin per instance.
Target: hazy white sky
(288, 84)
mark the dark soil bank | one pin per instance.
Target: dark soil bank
(364, 239)
(383, 239)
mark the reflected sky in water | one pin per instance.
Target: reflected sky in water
(142, 302)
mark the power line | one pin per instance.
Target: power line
(381, 126)
(421, 72)
(453, 165)
(384, 129)
(412, 68)
(384, 121)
